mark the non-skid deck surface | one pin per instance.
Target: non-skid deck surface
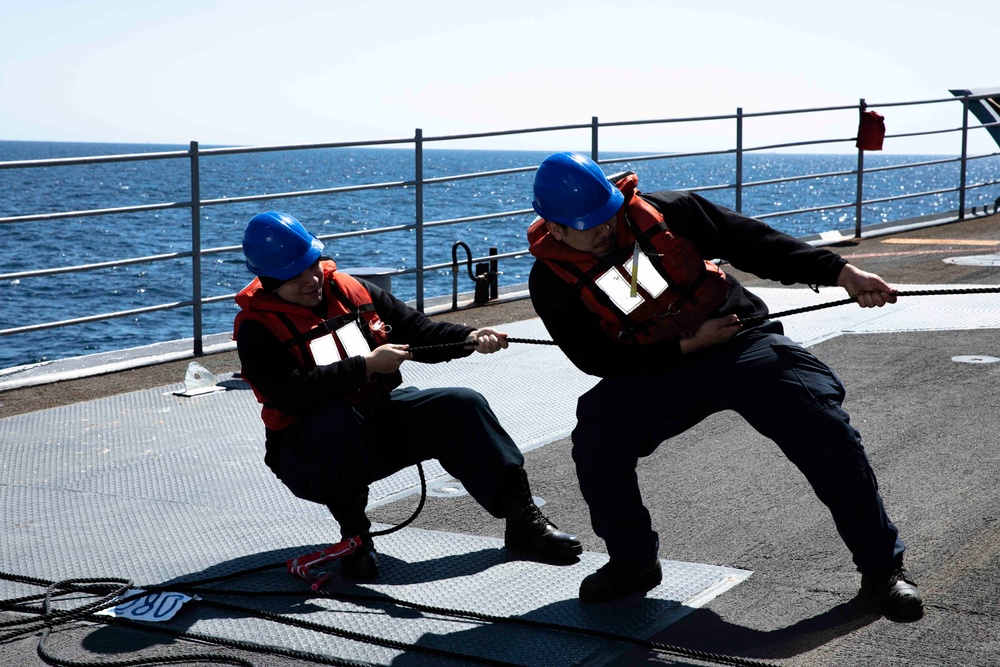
(159, 488)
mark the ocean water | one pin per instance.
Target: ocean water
(36, 245)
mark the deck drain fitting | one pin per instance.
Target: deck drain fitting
(449, 488)
(975, 359)
(974, 260)
(452, 488)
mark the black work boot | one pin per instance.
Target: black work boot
(527, 528)
(361, 565)
(616, 579)
(895, 590)
(349, 512)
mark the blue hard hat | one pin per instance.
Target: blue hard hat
(276, 245)
(571, 190)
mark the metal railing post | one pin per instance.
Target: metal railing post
(418, 177)
(861, 179)
(494, 274)
(594, 153)
(196, 248)
(739, 159)
(965, 157)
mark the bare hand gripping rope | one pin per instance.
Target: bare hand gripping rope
(747, 322)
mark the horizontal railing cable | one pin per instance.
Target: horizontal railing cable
(95, 318)
(209, 153)
(97, 265)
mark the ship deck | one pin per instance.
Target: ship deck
(117, 476)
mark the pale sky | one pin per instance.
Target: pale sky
(305, 71)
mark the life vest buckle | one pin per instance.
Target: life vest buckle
(672, 310)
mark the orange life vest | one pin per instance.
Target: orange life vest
(305, 333)
(676, 289)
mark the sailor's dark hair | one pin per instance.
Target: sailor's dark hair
(271, 284)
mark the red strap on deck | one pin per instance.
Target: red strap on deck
(302, 566)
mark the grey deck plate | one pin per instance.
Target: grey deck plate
(156, 488)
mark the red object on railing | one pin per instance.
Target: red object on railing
(871, 131)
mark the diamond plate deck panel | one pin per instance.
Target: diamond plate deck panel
(158, 488)
(544, 368)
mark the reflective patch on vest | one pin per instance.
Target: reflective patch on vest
(324, 350)
(618, 290)
(353, 340)
(649, 277)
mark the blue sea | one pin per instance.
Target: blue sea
(35, 245)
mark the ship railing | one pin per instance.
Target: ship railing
(739, 185)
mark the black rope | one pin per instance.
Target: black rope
(754, 321)
(115, 589)
(546, 625)
(197, 583)
(416, 512)
(472, 343)
(533, 341)
(108, 600)
(51, 619)
(745, 322)
(85, 613)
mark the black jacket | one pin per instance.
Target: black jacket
(277, 375)
(717, 233)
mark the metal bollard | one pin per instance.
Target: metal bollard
(482, 294)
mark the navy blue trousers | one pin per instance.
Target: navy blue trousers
(780, 388)
(337, 452)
